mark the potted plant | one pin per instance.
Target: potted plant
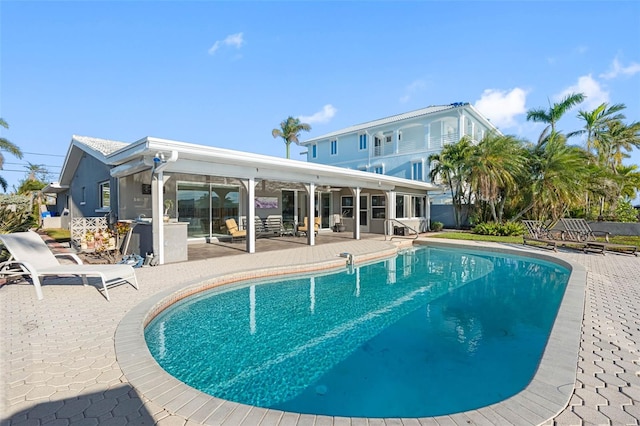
(168, 205)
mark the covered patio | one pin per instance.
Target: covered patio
(250, 188)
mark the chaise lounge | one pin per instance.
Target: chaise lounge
(31, 257)
(537, 232)
(579, 230)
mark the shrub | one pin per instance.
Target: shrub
(625, 212)
(499, 229)
(436, 226)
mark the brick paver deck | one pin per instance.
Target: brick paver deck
(59, 365)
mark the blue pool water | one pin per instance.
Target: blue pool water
(429, 332)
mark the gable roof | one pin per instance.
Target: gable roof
(181, 157)
(103, 147)
(401, 117)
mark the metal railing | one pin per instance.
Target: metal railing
(404, 227)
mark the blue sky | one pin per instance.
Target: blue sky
(226, 73)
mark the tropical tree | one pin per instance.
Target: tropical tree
(290, 130)
(495, 164)
(7, 146)
(451, 167)
(555, 180)
(616, 141)
(595, 122)
(553, 114)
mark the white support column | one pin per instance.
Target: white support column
(251, 214)
(427, 212)
(396, 142)
(461, 127)
(356, 213)
(311, 207)
(157, 226)
(391, 210)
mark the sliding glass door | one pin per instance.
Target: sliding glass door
(205, 207)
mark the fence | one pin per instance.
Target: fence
(80, 226)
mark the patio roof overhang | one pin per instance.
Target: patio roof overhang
(54, 188)
(181, 157)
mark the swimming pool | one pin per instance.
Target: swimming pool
(430, 332)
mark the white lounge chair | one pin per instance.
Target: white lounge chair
(31, 257)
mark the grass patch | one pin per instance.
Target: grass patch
(60, 235)
(630, 240)
(468, 236)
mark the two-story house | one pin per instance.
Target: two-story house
(400, 145)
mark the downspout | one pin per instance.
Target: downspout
(159, 164)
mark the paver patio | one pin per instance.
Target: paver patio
(59, 362)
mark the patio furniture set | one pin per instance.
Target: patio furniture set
(576, 233)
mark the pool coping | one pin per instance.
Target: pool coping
(545, 396)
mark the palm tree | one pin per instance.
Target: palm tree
(556, 179)
(290, 130)
(629, 181)
(495, 164)
(5, 145)
(615, 138)
(596, 120)
(451, 166)
(553, 114)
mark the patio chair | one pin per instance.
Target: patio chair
(537, 232)
(304, 228)
(234, 231)
(579, 230)
(31, 257)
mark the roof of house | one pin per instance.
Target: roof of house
(396, 118)
(102, 146)
(180, 157)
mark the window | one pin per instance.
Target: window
(417, 206)
(377, 147)
(388, 139)
(334, 147)
(314, 151)
(416, 170)
(379, 169)
(399, 136)
(400, 206)
(378, 207)
(346, 206)
(363, 142)
(105, 195)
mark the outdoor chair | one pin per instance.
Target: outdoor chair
(536, 231)
(234, 231)
(304, 228)
(580, 231)
(31, 257)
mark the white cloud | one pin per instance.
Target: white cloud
(617, 69)
(413, 88)
(594, 93)
(233, 40)
(323, 116)
(501, 107)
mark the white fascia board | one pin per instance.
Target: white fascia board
(206, 160)
(129, 168)
(129, 152)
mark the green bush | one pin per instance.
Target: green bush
(436, 226)
(499, 229)
(625, 212)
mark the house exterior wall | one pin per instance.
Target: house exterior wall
(84, 191)
(401, 148)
